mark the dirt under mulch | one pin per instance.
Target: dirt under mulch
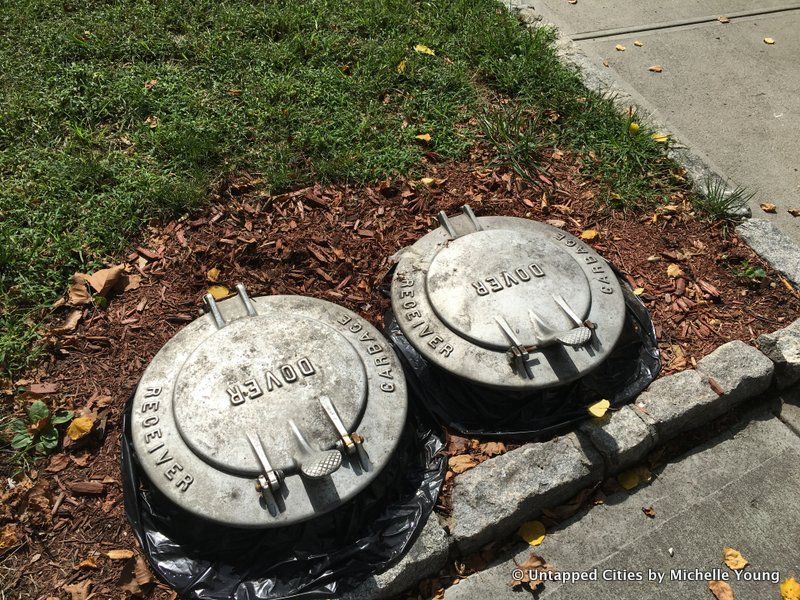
(334, 243)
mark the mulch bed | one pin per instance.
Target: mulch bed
(334, 243)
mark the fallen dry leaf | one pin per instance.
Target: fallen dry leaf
(88, 563)
(655, 69)
(628, 479)
(427, 180)
(9, 535)
(213, 275)
(79, 427)
(769, 41)
(795, 212)
(714, 384)
(219, 292)
(734, 559)
(768, 207)
(532, 532)
(674, 270)
(723, 19)
(104, 280)
(132, 282)
(721, 590)
(790, 589)
(638, 291)
(422, 49)
(78, 294)
(424, 137)
(661, 138)
(461, 463)
(589, 234)
(42, 389)
(120, 554)
(649, 511)
(57, 463)
(79, 590)
(619, 48)
(493, 448)
(599, 409)
(533, 563)
(638, 43)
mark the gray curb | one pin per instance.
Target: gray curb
(493, 499)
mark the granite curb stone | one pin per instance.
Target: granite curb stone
(740, 370)
(774, 246)
(491, 500)
(622, 437)
(783, 348)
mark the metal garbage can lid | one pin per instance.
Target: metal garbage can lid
(506, 302)
(268, 411)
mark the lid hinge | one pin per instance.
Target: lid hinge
(271, 480)
(447, 225)
(216, 314)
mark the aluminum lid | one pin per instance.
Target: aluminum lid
(269, 411)
(506, 302)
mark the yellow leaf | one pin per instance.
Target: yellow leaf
(532, 532)
(661, 138)
(674, 271)
(768, 207)
(638, 291)
(769, 41)
(589, 234)
(213, 275)
(79, 427)
(619, 48)
(628, 479)
(401, 66)
(119, 554)
(598, 409)
(88, 563)
(427, 180)
(424, 50)
(655, 69)
(219, 292)
(461, 463)
(790, 589)
(425, 137)
(638, 43)
(734, 559)
(633, 127)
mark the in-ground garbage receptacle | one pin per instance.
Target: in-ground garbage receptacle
(508, 325)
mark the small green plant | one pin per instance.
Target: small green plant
(720, 202)
(38, 432)
(517, 139)
(748, 272)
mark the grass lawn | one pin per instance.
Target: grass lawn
(115, 113)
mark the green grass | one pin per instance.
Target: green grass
(295, 92)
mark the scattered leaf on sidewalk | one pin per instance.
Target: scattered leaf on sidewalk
(769, 41)
(674, 270)
(619, 48)
(724, 20)
(424, 137)
(79, 427)
(649, 511)
(120, 554)
(661, 138)
(721, 590)
(80, 590)
(638, 43)
(768, 207)
(461, 463)
(628, 479)
(790, 589)
(533, 563)
(734, 559)
(532, 532)
(589, 234)
(599, 409)
(795, 212)
(715, 386)
(655, 69)
(219, 292)
(422, 49)
(213, 275)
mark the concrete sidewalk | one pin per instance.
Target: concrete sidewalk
(730, 96)
(738, 490)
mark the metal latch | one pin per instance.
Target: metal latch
(270, 480)
(447, 225)
(314, 464)
(219, 320)
(349, 443)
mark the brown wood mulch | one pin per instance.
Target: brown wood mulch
(334, 243)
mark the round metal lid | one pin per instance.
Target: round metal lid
(268, 411)
(507, 302)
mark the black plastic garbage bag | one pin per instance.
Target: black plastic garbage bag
(479, 411)
(318, 559)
